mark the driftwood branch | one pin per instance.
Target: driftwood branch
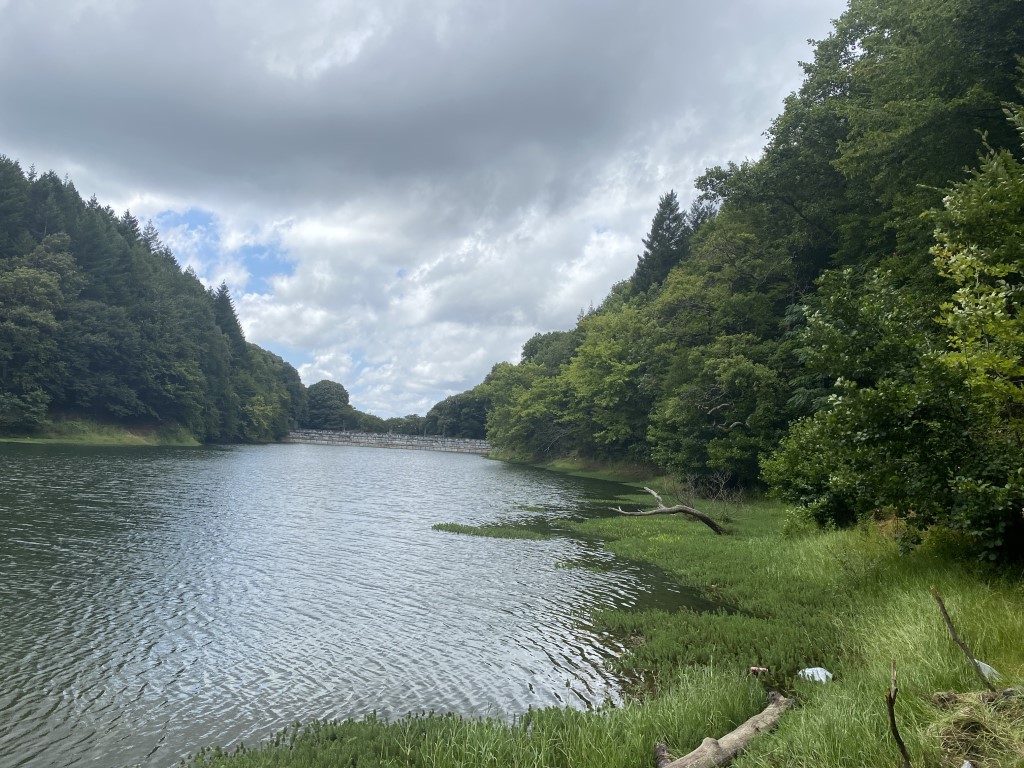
(963, 646)
(678, 509)
(732, 426)
(717, 752)
(890, 705)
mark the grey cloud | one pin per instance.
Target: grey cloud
(174, 80)
(476, 147)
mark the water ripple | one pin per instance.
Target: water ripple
(153, 601)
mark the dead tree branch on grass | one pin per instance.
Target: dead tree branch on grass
(717, 752)
(678, 509)
(963, 646)
(890, 706)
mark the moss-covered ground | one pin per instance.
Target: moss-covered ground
(844, 600)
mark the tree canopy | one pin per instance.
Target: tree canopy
(837, 320)
(97, 319)
(327, 407)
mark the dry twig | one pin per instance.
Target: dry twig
(963, 646)
(890, 705)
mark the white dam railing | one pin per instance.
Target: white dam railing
(375, 440)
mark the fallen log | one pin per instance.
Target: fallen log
(678, 509)
(717, 752)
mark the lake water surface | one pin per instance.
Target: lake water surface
(154, 600)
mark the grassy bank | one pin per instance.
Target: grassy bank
(844, 600)
(87, 432)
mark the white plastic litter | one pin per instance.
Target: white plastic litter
(988, 672)
(967, 764)
(817, 674)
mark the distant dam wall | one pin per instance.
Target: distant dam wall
(375, 440)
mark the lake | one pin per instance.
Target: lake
(155, 600)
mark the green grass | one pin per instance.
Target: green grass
(599, 470)
(87, 432)
(506, 531)
(845, 600)
(704, 700)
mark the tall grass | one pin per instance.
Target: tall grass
(848, 601)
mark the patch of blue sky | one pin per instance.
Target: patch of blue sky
(192, 218)
(194, 235)
(264, 261)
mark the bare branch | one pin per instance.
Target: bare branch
(963, 646)
(732, 426)
(678, 509)
(661, 504)
(890, 705)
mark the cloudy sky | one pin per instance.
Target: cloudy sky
(399, 193)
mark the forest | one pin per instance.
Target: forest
(99, 321)
(837, 321)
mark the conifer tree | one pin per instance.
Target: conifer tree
(227, 320)
(664, 246)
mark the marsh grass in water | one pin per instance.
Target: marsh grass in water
(845, 600)
(505, 531)
(590, 563)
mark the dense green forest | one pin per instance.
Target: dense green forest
(98, 320)
(839, 319)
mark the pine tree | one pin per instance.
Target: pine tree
(227, 320)
(664, 246)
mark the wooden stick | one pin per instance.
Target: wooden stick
(890, 705)
(963, 646)
(717, 752)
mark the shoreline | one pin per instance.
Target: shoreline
(804, 598)
(87, 432)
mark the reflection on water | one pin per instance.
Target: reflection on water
(156, 600)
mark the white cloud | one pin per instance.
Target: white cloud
(434, 181)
